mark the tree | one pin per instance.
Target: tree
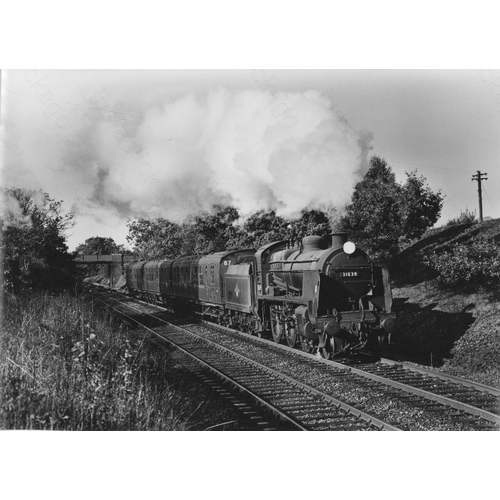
(97, 245)
(311, 222)
(212, 231)
(419, 207)
(34, 247)
(261, 228)
(155, 239)
(383, 213)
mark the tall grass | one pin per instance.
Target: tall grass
(68, 364)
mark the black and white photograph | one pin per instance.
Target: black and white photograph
(243, 236)
(244, 253)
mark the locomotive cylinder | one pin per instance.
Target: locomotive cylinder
(333, 328)
(388, 324)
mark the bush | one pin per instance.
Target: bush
(465, 217)
(478, 351)
(477, 262)
(33, 242)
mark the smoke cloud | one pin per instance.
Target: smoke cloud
(225, 146)
(11, 213)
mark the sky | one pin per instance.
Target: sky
(116, 145)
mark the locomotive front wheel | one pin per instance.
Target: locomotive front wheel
(329, 349)
(291, 336)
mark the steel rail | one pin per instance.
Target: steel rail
(207, 365)
(363, 416)
(491, 417)
(445, 377)
(458, 405)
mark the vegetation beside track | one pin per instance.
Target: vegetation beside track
(68, 364)
(456, 328)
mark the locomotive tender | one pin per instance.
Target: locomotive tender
(331, 299)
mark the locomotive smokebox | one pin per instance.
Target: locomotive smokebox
(338, 239)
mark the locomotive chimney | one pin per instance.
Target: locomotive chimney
(338, 239)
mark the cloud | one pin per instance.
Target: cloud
(224, 146)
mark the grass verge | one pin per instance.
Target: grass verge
(68, 364)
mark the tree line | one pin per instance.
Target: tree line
(382, 217)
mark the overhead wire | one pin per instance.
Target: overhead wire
(487, 196)
(428, 166)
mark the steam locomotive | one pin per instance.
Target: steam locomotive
(331, 299)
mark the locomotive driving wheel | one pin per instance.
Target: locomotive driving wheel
(291, 335)
(277, 328)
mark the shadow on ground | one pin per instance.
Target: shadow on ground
(425, 335)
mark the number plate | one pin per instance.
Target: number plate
(350, 274)
(361, 274)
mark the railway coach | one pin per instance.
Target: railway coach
(199, 280)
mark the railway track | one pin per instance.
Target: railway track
(453, 405)
(299, 405)
(472, 397)
(316, 394)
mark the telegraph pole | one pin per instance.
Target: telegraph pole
(480, 177)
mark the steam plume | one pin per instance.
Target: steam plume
(235, 147)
